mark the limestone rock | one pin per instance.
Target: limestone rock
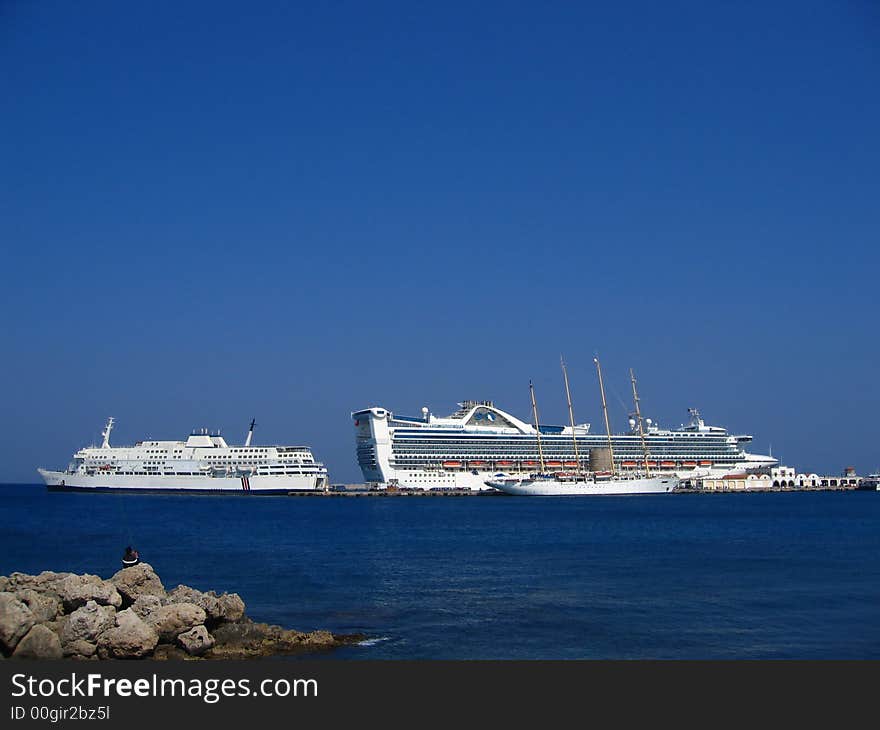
(80, 649)
(54, 625)
(45, 606)
(47, 581)
(146, 604)
(225, 607)
(320, 638)
(247, 639)
(138, 580)
(130, 638)
(86, 623)
(164, 652)
(16, 619)
(206, 601)
(231, 607)
(196, 641)
(39, 643)
(77, 590)
(4, 583)
(175, 618)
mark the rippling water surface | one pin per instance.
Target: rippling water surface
(669, 576)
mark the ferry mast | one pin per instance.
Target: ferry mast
(106, 433)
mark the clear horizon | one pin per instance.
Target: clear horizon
(292, 213)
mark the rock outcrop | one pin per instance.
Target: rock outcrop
(83, 626)
(78, 590)
(39, 643)
(145, 605)
(132, 616)
(44, 606)
(175, 618)
(138, 580)
(196, 641)
(130, 638)
(16, 619)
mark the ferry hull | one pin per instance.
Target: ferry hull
(551, 488)
(63, 482)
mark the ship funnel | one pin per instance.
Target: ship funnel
(250, 434)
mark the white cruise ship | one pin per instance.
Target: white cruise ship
(478, 441)
(202, 463)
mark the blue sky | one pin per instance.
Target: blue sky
(217, 211)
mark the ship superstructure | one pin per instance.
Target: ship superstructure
(204, 462)
(479, 440)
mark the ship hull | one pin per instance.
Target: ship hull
(197, 484)
(610, 487)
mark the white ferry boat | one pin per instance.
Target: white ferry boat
(479, 440)
(871, 483)
(202, 463)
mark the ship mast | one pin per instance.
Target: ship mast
(106, 433)
(574, 442)
(632, 377)
(537, 427)
(605, 411)
(247, 441)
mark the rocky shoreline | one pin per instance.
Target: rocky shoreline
(133, 616)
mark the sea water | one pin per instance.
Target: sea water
(698, 576)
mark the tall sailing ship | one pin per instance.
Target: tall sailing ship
(479, 440)
(202, 463)
(597, 481)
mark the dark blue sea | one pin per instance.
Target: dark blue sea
(725, 576)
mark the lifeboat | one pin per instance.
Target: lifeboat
(554, 464)
(452, 464)
(706, 462)
(530, 463)
(503, 463)
(476, 463)
(629, 464)
(667, 464)
(652, 464)
(689, 464)
(570, 465)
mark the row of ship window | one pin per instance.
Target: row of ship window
(597, 439)
(156, 472)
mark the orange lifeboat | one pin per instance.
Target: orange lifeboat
(554, 464)
(530, 463)
(452, 464)
(629, 464)
(476, 463)
(706, 462)
(667, 464)
(503, 463)
(689, 464)
(571, 465)
(652, 464)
